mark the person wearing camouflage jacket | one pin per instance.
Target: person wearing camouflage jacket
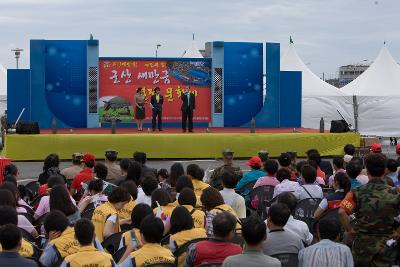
(215, 179)
(375, 205)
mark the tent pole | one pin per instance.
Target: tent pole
(355, 111)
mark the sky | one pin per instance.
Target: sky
(327, 33)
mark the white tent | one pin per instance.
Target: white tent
(319, 99)
(192, 51)
(378, 96)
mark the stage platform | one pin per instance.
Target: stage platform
(173, 144)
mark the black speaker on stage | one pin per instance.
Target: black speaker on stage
(27, 127)
(339, 126)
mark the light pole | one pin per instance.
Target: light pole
(17, 53)
(157, 46)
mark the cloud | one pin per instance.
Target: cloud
(327, 33)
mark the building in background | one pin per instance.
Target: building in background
(333, 81)
(348, 73)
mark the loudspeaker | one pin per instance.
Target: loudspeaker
(27, 127)
(339, 126)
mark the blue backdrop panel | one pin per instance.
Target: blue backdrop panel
(269, 115)
(39, 109)
(290, 99)
(18, 92)
(243, 82)
(59, 82)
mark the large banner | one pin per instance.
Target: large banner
(119, 79)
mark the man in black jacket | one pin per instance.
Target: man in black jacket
(156, 102)
(188, 107)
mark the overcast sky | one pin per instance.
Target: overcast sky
(327, 33)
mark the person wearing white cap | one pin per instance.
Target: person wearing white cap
(347, 158)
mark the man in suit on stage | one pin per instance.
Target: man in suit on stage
(188, 108)
(156, 103)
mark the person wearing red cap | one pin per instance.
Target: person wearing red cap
(376, 148)
(398, 150)
(255, 164)
(85, 175)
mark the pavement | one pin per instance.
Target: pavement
(29, 171)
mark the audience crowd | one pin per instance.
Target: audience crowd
(284, 212)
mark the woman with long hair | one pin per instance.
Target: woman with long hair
(50, 167)
(175, 172)
(134, 172)
(8, 199)
(22, 206)
(140, 112)
(60, 200)
(213, 203)
(183, 231)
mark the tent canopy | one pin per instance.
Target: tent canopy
(319, 99)
(192, 51)
(382, 78)
(377, 91)
(312, 84)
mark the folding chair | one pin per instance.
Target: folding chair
(305, 209)
(111, 243)
(260, 199)
(287, 259)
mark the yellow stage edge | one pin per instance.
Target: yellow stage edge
(174, 146)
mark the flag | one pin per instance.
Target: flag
(160, 213)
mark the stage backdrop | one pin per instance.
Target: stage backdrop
(120, 77)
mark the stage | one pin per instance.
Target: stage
(173, 144)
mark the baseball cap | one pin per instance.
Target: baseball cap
(111, 151)
(88, 158)
(376, 148)
(398, 148)
(347, 158)
(77, 155)
(227, 151)
(254, 161)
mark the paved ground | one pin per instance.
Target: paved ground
(31, 170)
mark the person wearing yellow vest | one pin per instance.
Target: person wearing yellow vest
(26, 249)
(87, 254)
(213, 202)
(131, 239)
(105, 216)
(124, 214)
(151, 230)
(188, 199)
(185, 182)
(164, 199)
(9, 216)
(181, 183)
(11, 241)
(183, 231)
(196, 174)
(62, 241)
(93, 195)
